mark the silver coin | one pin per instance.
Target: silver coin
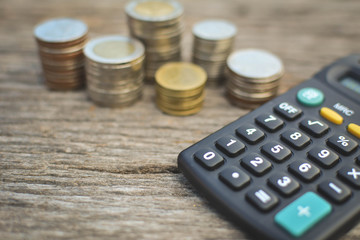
(114, 49)
(255, 64)
(214, 29)
(154, 10)
(60, 30)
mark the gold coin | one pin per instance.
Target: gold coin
(154, 9)
(180, 76)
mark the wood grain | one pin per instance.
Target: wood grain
(72, 170)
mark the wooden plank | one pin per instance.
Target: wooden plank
(70, 169)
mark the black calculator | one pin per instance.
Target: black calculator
(291, 168)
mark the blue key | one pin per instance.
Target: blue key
(302, 214)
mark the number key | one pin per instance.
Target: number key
(250, 133)
(276, 151)
(269, 122)
(284, 184)
(323, 156)
(230, 145)
(304, 170)
(209, 158)
(295, 138)
(256, 164)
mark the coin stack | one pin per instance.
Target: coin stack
(114, 70)
(213, 41)
(158, 24)
(60, 44)
(252, 77)
(180, 88)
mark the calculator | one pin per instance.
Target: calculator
(291, 168)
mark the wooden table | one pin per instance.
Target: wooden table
(72, 170)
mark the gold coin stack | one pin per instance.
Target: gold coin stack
(114, 70)
(213, 41)
(158, 24)
(252, 77)
(60, 44)
(180, 88)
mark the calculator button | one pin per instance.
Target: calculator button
(331, 115)
(303, 213)
(314, 127)
(342, 143)
(262, 199)
(354, 129)
(276, 151)
(230, 145)
(284, 184)
(256, 164)
(357, 160)
(323, 156)
(304, 170)
(234, 178)
(351, 175)
(288, 111)
(269, 122)
(310, 97)
(250, 133)
(295, 138)
(335, 190)
(209, 158)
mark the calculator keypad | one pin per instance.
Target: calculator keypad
(281, 162)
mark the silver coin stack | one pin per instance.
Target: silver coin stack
(114, 70)
(60, 44)
(252, 77)
(158, 24)
(213, 41)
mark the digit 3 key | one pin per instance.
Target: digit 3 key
(291, 168)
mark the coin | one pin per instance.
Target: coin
(60, 45)
(158, 25)
(114, 70)
(180, 88)
(213, 41)
(253, 77)
(60, 30)
(255, 64)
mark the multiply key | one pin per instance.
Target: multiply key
(351, 175)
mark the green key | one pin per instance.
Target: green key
(310, 97)
(302, 214)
